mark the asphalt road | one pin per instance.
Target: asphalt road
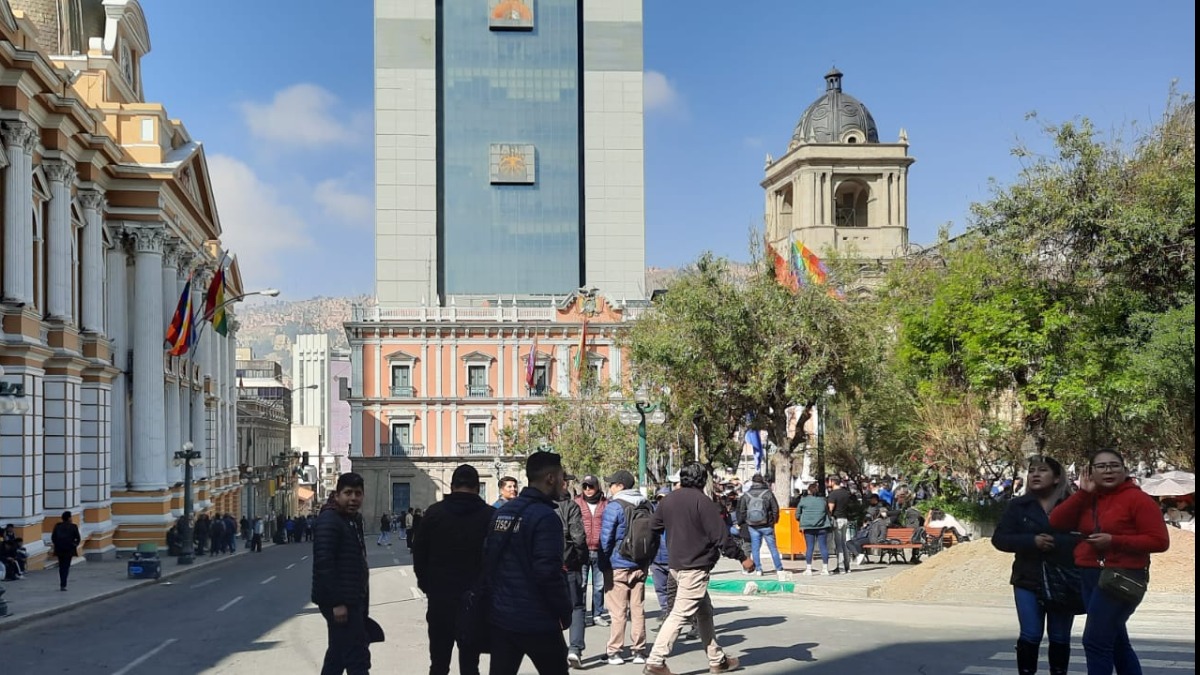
(252, 616)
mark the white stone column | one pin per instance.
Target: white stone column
(91, 305)
(58, 240)
(170, 299)
(19, 139)
(117, 323)
(148, 470)
(199, 422)
(231, 453)
(218, 429)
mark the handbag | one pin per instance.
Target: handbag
(1061, 589)
(1123, 585)
(473, 628)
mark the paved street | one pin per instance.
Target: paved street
(252, 615)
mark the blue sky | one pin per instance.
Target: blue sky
(726, 84)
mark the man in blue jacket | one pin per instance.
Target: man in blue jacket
(628, 587)
(531, 604)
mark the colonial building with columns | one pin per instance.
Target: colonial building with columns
(107, 213)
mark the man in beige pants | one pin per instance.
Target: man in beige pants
(627, 590)
(696, 538)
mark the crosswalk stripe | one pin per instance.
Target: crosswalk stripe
(1146, 663)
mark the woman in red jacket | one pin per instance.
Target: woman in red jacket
(1121, 527)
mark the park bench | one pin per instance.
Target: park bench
(899, 542)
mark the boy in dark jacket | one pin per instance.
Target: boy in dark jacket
(340, 578)
(531, 605)
(447, 559)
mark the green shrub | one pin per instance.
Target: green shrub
(965, 508)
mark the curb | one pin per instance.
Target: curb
(22, 620)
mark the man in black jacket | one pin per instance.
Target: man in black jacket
(696, 538)
(575, 554)
(340, 579)
(448, 558)
(531, 606)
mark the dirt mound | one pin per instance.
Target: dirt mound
(968, 570)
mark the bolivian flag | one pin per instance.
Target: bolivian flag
(214, 303)
(181, 334)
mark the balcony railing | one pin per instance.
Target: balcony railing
(402, 391)
(440, 314)
(402, 449)
(479, 448)
(539, 392)
(479, 391)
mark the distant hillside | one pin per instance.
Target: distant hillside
(270, 328)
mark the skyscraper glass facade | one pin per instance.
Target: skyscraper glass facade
(510, 183)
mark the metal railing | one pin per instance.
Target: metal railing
(402, 449)
(402, 391)
(479, 391)
(479, 448)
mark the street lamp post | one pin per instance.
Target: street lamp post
(188, 457)
(643, 409)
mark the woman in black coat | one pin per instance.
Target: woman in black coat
(1042, 556)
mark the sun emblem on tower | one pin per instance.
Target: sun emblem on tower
(512, 163)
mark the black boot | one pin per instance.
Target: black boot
(1027, 657)
(1060, 657)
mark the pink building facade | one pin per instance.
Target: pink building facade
(435, 387)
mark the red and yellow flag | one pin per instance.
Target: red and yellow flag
(181, 334)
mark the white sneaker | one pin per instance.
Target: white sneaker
(808, 572)
(757, 573)
(615, 660)
(825, 572)
(601, 621)
(573, 660)
(860, 559)
(638, 657)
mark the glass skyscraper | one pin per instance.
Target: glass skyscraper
(508, 149)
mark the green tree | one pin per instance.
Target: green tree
(726, 345)
(1069, 304)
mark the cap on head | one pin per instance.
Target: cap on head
(662, 492)
(590, 481)
(464, 476)
(674, 478)
(623, 477)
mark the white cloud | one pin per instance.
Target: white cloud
(659, 94)
(340, 204)
(302, 115)
(259, 227)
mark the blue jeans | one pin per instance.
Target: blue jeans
(661, 573)
(813, 539)
(597, 574)
(757, 536)
(1034, 620)
(1105, 638)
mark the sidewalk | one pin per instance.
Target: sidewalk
(37, 595)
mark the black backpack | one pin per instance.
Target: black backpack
(756, 508)
(639, 544)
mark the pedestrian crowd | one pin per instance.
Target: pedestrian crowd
(512, 579)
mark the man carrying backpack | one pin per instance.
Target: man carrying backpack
(630, 547)
(758, 511)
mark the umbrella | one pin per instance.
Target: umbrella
(1175, 475)
(1169, 487)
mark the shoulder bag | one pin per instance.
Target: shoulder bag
(473, 628)
(1118, 583)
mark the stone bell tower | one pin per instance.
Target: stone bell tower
(838, 188)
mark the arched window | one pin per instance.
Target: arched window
(852, 198)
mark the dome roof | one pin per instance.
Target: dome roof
(836, 117)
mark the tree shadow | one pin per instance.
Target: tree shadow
(801, 652)
(751, 622)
